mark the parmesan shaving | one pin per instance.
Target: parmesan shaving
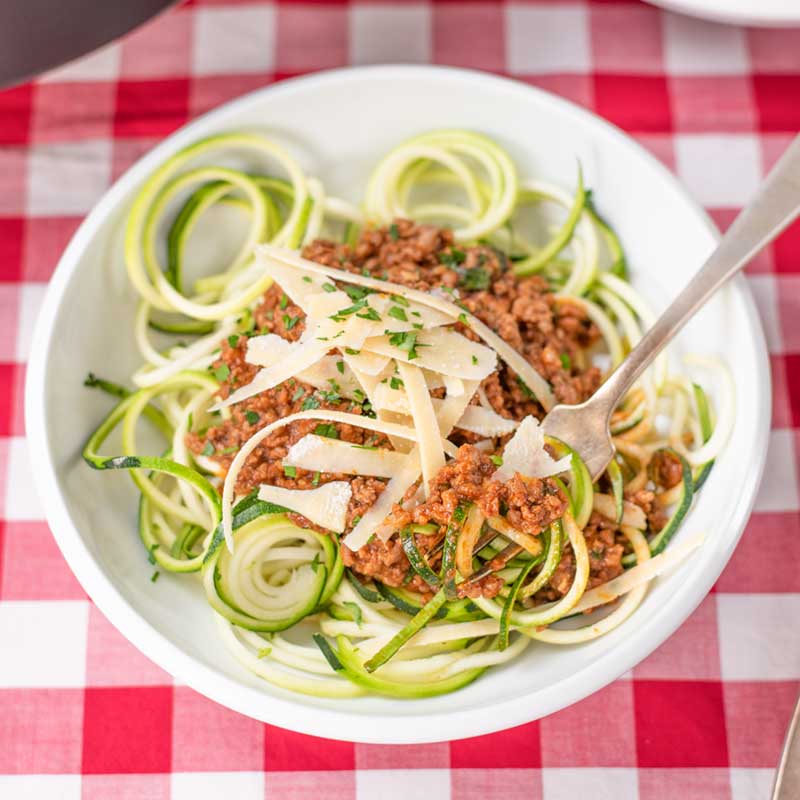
(367, 363)
(325, 506)
(526, 455)
(441, 350)
(323, 415)
(532, 379)
(293, 285)
(485, 422)
(319, 453)
(431, 455)
(638, 575)
(265, 350)
(301, 356)
(326, 375)
(453, 385)
(448, 414)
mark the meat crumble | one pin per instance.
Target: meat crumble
(553, 335)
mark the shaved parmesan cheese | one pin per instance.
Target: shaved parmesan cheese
(485, 422)
(382, 507)
(266, 350)
(441, 350)
(322, 454)
(326, 375)
(324, 304)
(454, 386)
(301, 356)
(325, 506)
(368, 363)
(638, 575)
(255, 440)
(532, 379)
(449, 412)
(293, 285)
(526, 455)
(351, 329)
(431, 455)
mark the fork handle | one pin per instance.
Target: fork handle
(775, 206)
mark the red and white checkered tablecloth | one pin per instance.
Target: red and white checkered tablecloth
(84, 715)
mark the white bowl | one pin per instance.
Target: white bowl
(338, 124)
(762, 13)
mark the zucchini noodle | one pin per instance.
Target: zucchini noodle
(371, 389)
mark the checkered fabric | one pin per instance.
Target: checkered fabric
(84, 715)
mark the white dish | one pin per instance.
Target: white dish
(765, 13)
(338, 123)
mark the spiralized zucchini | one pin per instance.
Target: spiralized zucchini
(261, 573)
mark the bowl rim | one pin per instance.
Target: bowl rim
(770, 14)
(285, 711)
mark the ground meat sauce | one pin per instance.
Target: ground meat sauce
(552, 334)
(605, 559)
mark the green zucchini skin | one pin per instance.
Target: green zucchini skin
(415, 624)
(706, 428)
(417, 560)
(352, 668)
(663, 537)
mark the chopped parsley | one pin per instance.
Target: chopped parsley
(284, 301)
(395, 383)
(370, 313)
(233, 339)
(327, 429)
(351, 352)
(222, 372)
(462, 318)
(228, 450)
(496, 460)
(525, 388)
(298, 393)
(415, 314)
(474, 359)
(208, 450)
(475, 279)
(359, 395)
(307, 278)
(340, 367)
(417, 326)
(311, 402)
(328, 287)
(364, 446)
(356, 520)
(315, 479)
(290, 322)
(401, 301)
(154, 576)
(566, 361)
(397, 313)
(251, 417)
(452, 257)
(394, 233)
(290, 472)
(406, 341)
(342, 313)
(356, 293)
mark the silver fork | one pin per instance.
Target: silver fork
(585, 427)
